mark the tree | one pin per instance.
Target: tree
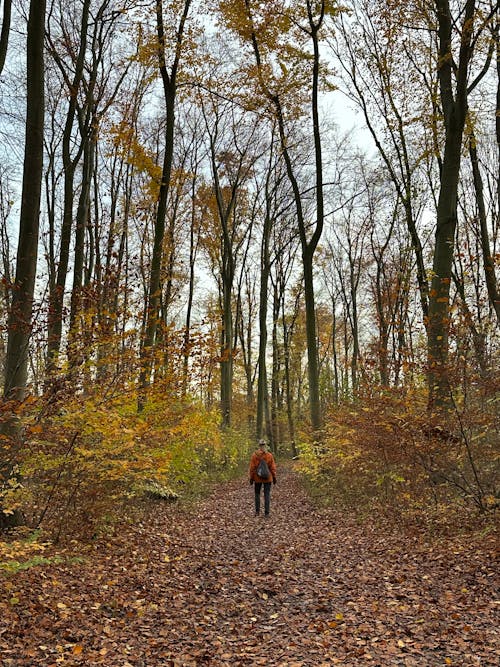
(19, 325)
(70, 163)
(169, 73)
(91, 86)
(130, 173)
(488, 261)
(385, 63)
(286, 304)
(373, 53)
(263, 27)
(270, 192)
(233, 146)
(193, 152)
(21, 306)
(100, 93)
(454, 86)
(349, 265)
(6, 261)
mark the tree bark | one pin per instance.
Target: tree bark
(21, 310)
(193, 249)
(454, 104)
(82, 220)
(265, 267)
(56, 296)
(488, 263)
(4, 35)
(19, 326)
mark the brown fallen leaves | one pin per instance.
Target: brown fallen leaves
(216, 586)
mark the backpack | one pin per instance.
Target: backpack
(263, 469)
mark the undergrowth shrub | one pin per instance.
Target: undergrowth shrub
(387, 450)
(89, 461)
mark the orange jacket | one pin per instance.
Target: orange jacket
(254, 464)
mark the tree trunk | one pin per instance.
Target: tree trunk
(193, 245)
(478, 337)
(21, 310)
(287, 335)
(336, 382)
(312, 343)
(489, 265)
(454, 103)
(4, 36)
(226, 364)
(153, 302)
(383, 328)
(19, 326)
(272, 405)
(439, 315)
(262, 389)
(56, 296)
(82, 221)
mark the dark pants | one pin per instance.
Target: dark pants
(267, 496)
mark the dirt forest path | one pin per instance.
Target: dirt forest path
(214, 585)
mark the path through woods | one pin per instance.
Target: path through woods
(214, 585)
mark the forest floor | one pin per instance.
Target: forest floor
(211, 584)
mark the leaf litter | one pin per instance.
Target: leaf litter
(213, 585)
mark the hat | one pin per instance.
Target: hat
(262, 443)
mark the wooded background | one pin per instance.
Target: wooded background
(195, 254)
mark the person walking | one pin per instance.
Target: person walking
(262, 473)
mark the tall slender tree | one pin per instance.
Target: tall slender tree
(73, 83)
(453, 74)
(169, 73)
(261, 32)
(21, 308)
(231, 168)
(19, 326)
(265, 268)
